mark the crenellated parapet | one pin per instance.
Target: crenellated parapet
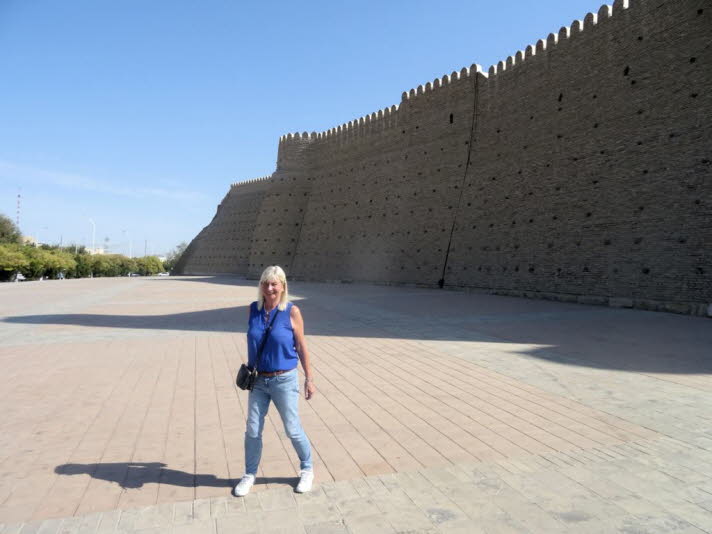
(454, 79)
(544, 46)
(251, 181)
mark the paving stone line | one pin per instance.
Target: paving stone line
(623, 490)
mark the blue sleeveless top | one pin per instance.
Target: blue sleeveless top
(279, 353)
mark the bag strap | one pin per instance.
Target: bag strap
(264, 339)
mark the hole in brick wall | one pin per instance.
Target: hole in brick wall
(645, 171)
(607, 242)
(646, 270)
(531, 220)
(640, 38)
(626, 71)
(403, 131)
(550, 245)
(693, 95)
(588, 214)
(559, 109)
(639, 143)
(594, 182)
(585, 269)
(561, 96)
(633, 82)
(531, 117)
(498, 130)
(672, 135)
(700, 11)
(594, 97)
(693, 59)
(595, 125)
(467, 142)
(697, 201)
(700, 270)
(639, 112)
(516, 269)
(452, 118)
(416, 126)
(682, 240)
(531, 269)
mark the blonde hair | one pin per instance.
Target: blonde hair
(273, 273)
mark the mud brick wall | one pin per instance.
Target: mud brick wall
(577, 169)
(224, 245)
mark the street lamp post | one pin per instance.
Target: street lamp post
(130, 243)
(93, 240)
(93, 235)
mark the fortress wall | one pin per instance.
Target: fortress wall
(382, 185)
(591, 177)
(577, 169)
(224, 245)
(280, 217)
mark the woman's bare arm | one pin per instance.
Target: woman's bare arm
(301, 345)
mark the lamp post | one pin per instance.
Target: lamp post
(93, 235)
(128, 235)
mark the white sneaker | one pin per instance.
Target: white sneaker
(306, 479)
(243, 487)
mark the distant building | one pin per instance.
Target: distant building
(97, 250)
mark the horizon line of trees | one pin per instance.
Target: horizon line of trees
(73, 261)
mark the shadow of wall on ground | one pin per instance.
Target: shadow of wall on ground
(571, 334)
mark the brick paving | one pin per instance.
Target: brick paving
(437, 411)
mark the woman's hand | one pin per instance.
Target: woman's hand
(309, 389)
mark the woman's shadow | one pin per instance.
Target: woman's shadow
(131, 475)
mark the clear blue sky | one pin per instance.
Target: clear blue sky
(139, 114)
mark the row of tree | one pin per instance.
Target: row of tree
(47, 261)
(63, 262)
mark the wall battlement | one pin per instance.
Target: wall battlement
(576, 169)
(251, 181)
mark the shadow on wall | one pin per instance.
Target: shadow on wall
(131, 475)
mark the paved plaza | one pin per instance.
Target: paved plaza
(436, 411)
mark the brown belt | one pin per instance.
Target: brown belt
(275, 373)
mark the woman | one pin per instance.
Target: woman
(277, 379)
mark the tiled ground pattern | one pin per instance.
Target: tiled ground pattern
(436, 411)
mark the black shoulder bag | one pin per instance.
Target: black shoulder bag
(247, 376)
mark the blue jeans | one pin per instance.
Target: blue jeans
(283, 390)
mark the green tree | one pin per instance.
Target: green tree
(39, 261)
(149, 265)
(85, 266)
(12, 260)
(174, 255)
(9, 232)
